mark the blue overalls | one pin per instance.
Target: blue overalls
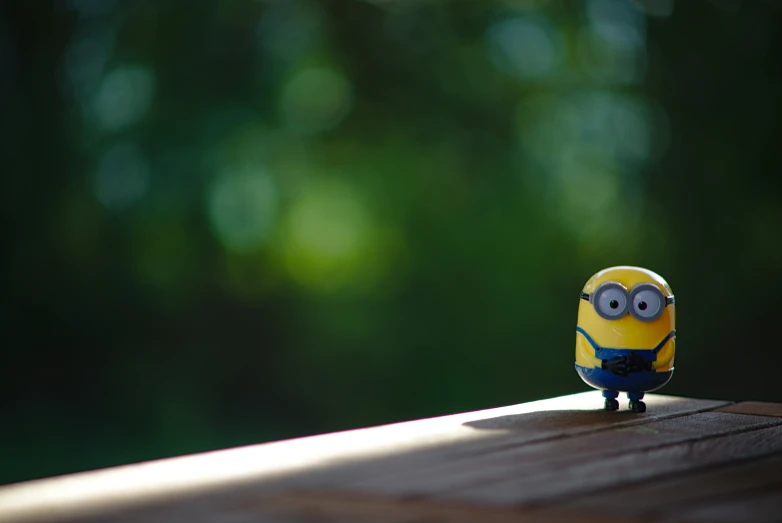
(635, 383)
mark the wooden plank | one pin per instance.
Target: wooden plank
(303, 507)
(671, 496)
(757, 507)
(756, 408)
(427, 475)
(257, 502)
(683, 498)
(610, 472)
(270, 466)
(453, 462)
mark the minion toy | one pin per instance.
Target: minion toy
(626, 334)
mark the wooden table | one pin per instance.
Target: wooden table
(559, 460)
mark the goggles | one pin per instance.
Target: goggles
(612, 301)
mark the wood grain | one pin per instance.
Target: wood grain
(179, 483)
(508, 435)
(756, 408)
(540, 463)
(624, 469)
(674, 495)
(305, 506)
(762, 506)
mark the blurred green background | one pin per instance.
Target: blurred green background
(231, 222)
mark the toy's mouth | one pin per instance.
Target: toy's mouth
(598, 347)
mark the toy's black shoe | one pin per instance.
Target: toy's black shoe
(637, 406)
(611, 404)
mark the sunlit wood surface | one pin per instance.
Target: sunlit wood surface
(560, 459)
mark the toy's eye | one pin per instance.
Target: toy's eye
(647, 304)
(612, 303)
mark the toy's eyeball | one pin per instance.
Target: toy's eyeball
(648, 303)
(611, 303)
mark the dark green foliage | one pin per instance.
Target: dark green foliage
(231, 222)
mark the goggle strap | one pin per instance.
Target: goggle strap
(669, 300)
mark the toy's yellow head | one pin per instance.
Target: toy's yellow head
(627, 307)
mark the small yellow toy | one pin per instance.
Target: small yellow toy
(626, 334)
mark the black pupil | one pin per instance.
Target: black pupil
(614, 304)
(642, 305)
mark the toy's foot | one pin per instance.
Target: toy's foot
(637, 406)
(611, 404)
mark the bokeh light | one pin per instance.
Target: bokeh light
(288, 30)
(529, 48)
(656, 8)
(124, 96)
(243, 207)
(85, 62)
(613, 46)
(315, 99)
(92, 8)
(123, 176)
(327, 236)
